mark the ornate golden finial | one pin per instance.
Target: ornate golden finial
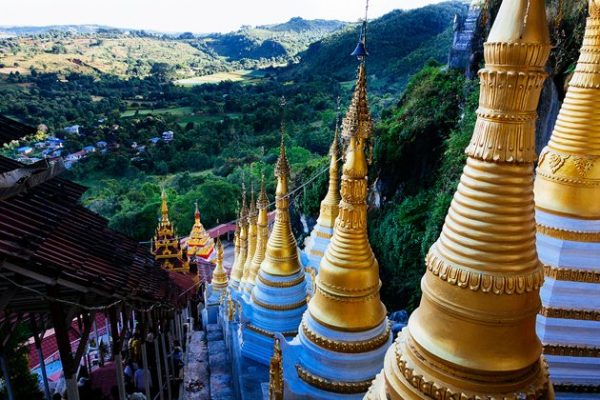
(282, 167)
(219, 278)
(263, 200)
(252, 210)
(276, 373)
(473, 335)
(262, 235)
(281, 254)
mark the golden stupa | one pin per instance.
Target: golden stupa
(347, 286)
(219, 276)
(252, 237)
(238, 267)
(317, 242)
(281, 254)
(199, 242)
(473, 335)
(262, 235)
(278, 298)
(344, 334)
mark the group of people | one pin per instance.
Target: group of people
(136, 376)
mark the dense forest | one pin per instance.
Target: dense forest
(228, 131)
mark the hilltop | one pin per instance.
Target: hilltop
(298, 24)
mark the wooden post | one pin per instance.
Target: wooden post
(166, 362)
(96, 333)
(38, 336)
(146, 371)
(106, 330)
(70, 362)
(116, 351)
(157, 356)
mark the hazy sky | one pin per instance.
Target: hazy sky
(188, 15)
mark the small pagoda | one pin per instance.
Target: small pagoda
(199, 243)
(278, 298)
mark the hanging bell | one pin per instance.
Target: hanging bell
(360, 51)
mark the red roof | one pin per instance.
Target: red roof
(49, 346)
(47, 239)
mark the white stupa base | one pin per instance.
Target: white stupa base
(330, 365)
(580, 371)
(315, 246)
(212, 301)
(266, 312)
(570, 296)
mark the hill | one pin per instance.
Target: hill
(399, 44)
(298, 24)
(268, 41)
(94, 50)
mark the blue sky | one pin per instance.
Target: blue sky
(188, 15)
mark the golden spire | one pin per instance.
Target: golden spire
(347, 286)
(330, 204)
(252, 216)
(276, 373)
(238, 268)
(219, 278)
(473, 335)
(262, 237)
(568, 175)
(281, 256)
(164, 209)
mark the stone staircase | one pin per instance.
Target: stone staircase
(219, 365)
(196, 370)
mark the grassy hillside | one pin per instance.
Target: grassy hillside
(122, 56)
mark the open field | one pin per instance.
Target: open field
(244, 76)
(175, 111)
(184, 115)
